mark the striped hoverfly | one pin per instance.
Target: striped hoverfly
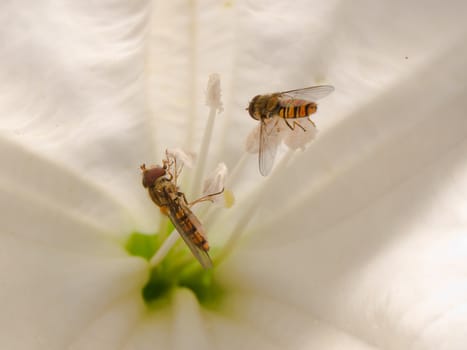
(161, 183)
(286, 106)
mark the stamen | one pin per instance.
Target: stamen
(213, 100)
(213, 93)
(164, 248)
(215, 182)
(183, 158)
(232, 178)
(249, 210)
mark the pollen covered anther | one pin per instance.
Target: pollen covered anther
(213, 93)
(215, 184)
(181, 157)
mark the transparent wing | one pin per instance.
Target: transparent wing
(269, 140)
(310, 94)
(201, 255)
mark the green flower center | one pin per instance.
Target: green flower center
(179, 269)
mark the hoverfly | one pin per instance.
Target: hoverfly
(286, 106)
(161, 183)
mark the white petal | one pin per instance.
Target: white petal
(285, 325)
(231, 334)
(153, 331)
(178, 72)
(50, 296)
(29, 180)
(188, 330)
(114, 326)
(73, 93)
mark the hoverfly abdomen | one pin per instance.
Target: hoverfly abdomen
(311, 108)
(297, 109)
(191, 226)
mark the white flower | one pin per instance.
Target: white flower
(359, 242)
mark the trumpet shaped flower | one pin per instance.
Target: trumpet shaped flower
(359, 241)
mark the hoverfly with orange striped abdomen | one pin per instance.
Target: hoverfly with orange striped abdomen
(161, 183)
(286, 106)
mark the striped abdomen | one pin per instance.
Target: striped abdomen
(297, 109)
(189, 226)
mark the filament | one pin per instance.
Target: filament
(213, 94)
(249, 210)
(164, 248)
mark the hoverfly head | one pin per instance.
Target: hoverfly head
(251, 107)
(151, 175)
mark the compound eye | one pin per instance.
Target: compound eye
(151, 175)
(251, 108)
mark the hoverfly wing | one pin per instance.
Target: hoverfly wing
(310, 94)
(201, 255)
(268, 142)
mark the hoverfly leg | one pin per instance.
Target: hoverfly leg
(299, 125)
(166, 165)
(169, 173)
(208, 197)
(287, 123)
(294, 124)
(183, 197)
(175, 171)
(312, 122)
(170, 165)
